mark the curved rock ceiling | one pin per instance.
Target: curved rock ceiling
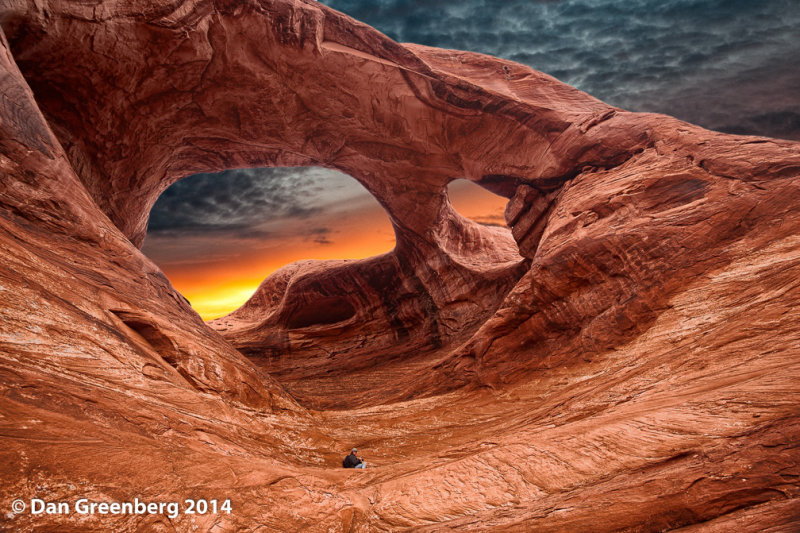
(624, 360)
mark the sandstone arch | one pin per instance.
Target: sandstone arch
(660, 302)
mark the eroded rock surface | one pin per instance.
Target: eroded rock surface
(624, 358)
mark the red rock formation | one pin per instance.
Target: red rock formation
(626, 362)
(324, 320)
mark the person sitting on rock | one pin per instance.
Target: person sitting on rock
(353, 461)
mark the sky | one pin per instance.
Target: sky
(728, 65)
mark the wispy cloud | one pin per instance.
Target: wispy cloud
(320, 235)
(491, 220)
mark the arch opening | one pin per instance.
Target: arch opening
(477, 203)
(217, 236)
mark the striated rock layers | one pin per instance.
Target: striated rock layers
(625, 358)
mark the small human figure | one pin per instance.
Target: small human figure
(354, 461)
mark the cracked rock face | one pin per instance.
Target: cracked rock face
(624, 358)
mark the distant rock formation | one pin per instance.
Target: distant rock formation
(624, 358)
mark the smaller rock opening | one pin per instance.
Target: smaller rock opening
(152, 337)
(476, 203)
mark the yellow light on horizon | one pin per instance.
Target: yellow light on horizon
(219, 301)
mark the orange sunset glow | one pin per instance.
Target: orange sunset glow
(218, 272)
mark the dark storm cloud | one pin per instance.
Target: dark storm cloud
(731, 65)
(250, 203)
(231, 200)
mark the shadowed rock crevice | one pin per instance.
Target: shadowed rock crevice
(324, 311)
(152, 337)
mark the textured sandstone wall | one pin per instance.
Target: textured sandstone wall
(625, 358)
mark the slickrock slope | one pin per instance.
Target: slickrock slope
(624, 358)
